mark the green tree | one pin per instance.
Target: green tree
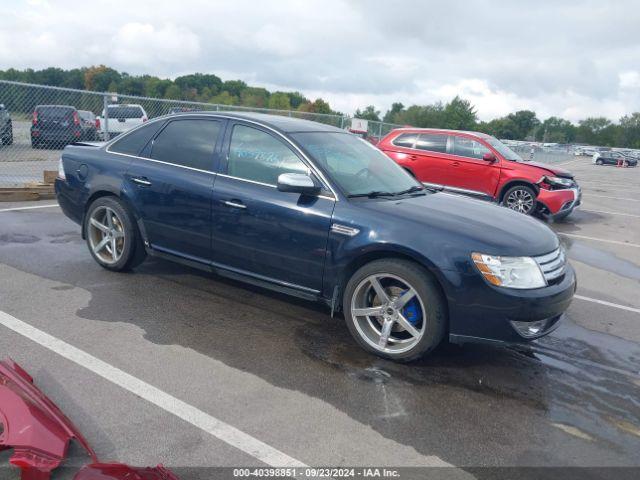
(173, 92)
(318, 106)
(424, 116)
(296, 99)
(459, 114)
(100, 78)
(525, 122)
(234, 87)
(629, 131)
(369, 113)
(556, 130)
(390, 116)
(279, 101)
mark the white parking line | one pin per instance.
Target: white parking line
(614, 198)
(608, 304)
(15, 209)
(611, 213)
(615, 242)
(219, 429)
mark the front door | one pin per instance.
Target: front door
(257, 229)
(171, 189)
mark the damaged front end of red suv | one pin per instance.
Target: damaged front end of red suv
(39, 433)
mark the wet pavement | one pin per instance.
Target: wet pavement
(283, 371)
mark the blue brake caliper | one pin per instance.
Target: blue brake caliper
(412, 311)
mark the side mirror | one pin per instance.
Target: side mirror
(297, 183)
(489, 157)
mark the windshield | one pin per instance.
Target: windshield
(354, 164)
(503, 150)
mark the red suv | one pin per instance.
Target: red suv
(480, 165)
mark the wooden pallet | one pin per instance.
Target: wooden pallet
(31, 191)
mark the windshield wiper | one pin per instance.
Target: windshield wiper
(413, 189)
(377, 193)
(374, 194)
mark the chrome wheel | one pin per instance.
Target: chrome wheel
(520, 200)
(388, 313)
(106, 235)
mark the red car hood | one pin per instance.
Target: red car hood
(32, 425)
(39, 434)
(560, 172)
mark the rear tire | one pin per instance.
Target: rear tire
(112, 235)
(378, 323)
(599, 162)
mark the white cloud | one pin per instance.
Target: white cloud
(143, 45)
(571, 58)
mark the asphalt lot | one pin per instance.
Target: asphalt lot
(291, 378)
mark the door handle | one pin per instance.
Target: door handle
(413, 157)
(141, 181)
(456, 164)
(234, 204)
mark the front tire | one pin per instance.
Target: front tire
(599, 162)
(394, 309)
(520, 198)
(112, 236)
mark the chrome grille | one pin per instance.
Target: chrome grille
(552, 264)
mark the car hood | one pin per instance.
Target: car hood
(459, 222)
(557, 171)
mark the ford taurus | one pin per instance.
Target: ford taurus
(316, 212)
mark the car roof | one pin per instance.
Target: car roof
(439, 130)
(277, 122)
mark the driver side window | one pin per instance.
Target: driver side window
(258, 156)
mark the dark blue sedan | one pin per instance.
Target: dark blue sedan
(317, 212)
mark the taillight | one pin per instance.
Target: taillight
(35, 117)
(97, 123)
(76, 119)
(61, 174)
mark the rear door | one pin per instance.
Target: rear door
(429, 158)
(468, 171)
(171, 186)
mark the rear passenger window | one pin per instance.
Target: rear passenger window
(406, 140)
(255, 155)
(133, 143)
(465, 147)
(432, 142)
(189, 143)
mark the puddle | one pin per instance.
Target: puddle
(602, 259)
(7, 238)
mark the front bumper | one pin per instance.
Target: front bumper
(560, 201)
(479, 312)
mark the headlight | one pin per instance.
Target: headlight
(509, 272)
(565, 182)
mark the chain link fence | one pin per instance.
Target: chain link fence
(37, 121)
(539, 153)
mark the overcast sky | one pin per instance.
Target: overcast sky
(568, 58)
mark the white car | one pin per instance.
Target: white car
(121, 117)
